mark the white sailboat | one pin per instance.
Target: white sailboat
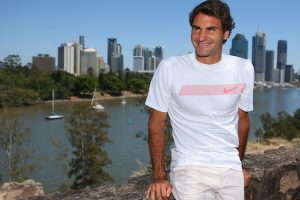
(54, 115)
(97, 106)
(123, 101)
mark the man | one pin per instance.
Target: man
(207, 96)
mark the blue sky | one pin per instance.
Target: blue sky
(30, 27)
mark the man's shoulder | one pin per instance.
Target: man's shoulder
(230, 58)
(180, 58)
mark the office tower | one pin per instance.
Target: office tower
(269, 65)
(239, 46)
(138, 58)
(147, 57)
(69, 58)
(152, 63)
(117, 59)
(89, 62)
(159, 54)
(259, 55)
(281, 58)
(81, 41)
(44, 62)
(111, 46)
(77, 49)
(66, 57)
(289, 74)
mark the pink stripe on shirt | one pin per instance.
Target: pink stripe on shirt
(200, 90)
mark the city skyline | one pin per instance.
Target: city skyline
(35, 27)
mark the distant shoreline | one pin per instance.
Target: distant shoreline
(98, 96)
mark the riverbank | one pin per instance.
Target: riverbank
(99, 96)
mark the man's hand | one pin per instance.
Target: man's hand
(247, 177)
(159, 190)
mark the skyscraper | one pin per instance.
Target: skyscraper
(111, 46)
(289, 73)
(138, 58)
(239, 46)
(159, 54)
(147, 57)
(81, 41)
(69, 57)
(269, 65)
(89, 61)
(259, 55)
(281, 58)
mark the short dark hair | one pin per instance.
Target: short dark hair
(214, 8)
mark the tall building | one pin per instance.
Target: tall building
(117, 64)
(159, 54)
(89, 63)
(269, 65)
(239, 46)
(66, 57)
(81, 41)
(138, 58)
(69, 57)
(259, 55)
(44, 62)
(111, 46)
(281, 58)
(147, 57)
(289, 74)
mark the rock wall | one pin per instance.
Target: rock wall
(21, 191)
(275, 175)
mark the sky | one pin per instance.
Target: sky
(30, 27)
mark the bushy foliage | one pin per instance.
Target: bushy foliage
(283, 126)
(86, 131)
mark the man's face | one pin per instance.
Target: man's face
(207, 38)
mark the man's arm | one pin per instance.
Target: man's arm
(161, 187)
(243, 132)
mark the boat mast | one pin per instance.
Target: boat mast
(53, 101)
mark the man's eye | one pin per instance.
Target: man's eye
(195, 28)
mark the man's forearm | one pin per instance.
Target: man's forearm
(156, 139)
(243, 132)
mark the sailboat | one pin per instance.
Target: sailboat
(53, 115)
(97, 106)
(123, 101)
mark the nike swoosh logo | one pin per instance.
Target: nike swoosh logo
(234, 90)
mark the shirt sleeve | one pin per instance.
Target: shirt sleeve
(159, 91)
(246, 100)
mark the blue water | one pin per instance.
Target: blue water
(125, 121)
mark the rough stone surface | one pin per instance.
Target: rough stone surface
(21, 191)
(275, 175)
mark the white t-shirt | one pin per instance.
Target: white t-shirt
(202, 102)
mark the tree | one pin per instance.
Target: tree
(12, 61)
(283, 126)
(13, 139)
(86, 131)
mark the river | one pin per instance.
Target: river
(125, 121)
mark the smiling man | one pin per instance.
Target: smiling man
(207, 96)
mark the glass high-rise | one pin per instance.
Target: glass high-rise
(259, 55)
(269, 65)
(239, 46)
(111, 46)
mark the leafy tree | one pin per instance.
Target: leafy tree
(86, 131)
(13, 140)
(12, 61)
(113, 84)
(84, 84)
(284, 126)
